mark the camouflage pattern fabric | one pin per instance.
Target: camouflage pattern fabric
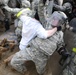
(39, 52)
(71, 68)
(60, 2)
(45, 11)
(71, 43)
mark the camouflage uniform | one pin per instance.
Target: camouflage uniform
(39, 52)
(4, 2)
(60, 2)
(11, 3)
(70, 69)
(66, 7)
(35, 4)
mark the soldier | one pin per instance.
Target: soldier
(66, 7)
(69, 65)
(71, 46)
(39, 50)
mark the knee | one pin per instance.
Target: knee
(12, 62)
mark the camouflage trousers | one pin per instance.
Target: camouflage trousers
(19, 59)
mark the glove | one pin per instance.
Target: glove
(59, 28)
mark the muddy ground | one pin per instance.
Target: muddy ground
(52, 67)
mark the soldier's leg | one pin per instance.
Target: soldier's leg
(18, 61)
(40, 63)
(40, 66)
(40, 69)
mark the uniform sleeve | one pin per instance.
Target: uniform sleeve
(12, 10)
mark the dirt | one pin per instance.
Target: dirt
(52, 67)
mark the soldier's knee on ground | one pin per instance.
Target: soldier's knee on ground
(14, 65)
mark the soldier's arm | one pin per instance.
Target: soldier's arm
(12, 10)
(58, 7)
(66, 7)
(51, 32)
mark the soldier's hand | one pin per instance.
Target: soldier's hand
(59, 28)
